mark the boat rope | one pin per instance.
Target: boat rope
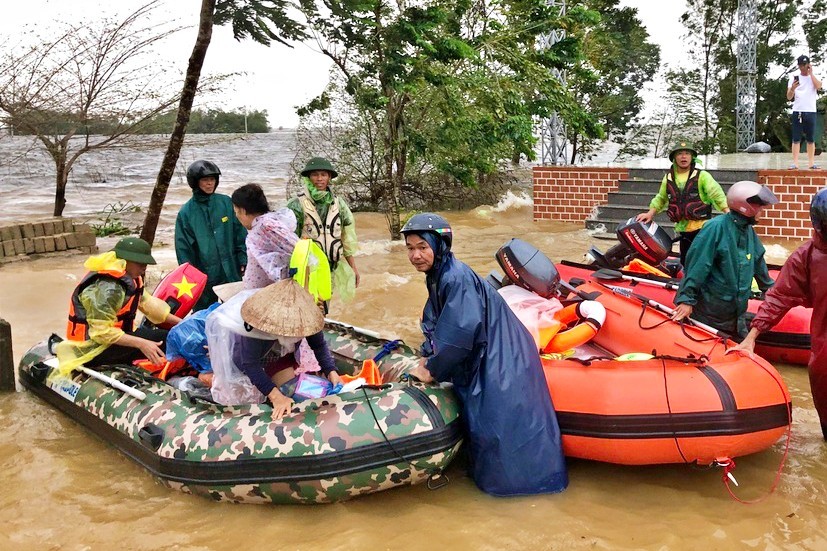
(436, 478)
(729, 464)
(669, 406)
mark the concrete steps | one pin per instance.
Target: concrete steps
(635, 193)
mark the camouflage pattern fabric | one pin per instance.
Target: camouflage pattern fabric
(328, 449)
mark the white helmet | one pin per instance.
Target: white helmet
(746, 197)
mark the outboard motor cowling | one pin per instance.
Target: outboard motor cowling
(528, 268)
(649, 241)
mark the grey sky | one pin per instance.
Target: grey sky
(276, 78)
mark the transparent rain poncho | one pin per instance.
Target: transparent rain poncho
(224, 326)
(270, 244)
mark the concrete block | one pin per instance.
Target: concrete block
(68, 225)
(49, 242)
(49, 227)
(60, 243)
(71, 240)
(28, 230)
(5, 233)
(16, 233)
(38, 229)
(86, 239)
(8, 248)
(39, 244)
(19, 247)
(28, 244)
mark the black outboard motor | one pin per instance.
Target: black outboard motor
(528, 268)
(648, 242)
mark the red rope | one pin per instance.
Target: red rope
(729, 464)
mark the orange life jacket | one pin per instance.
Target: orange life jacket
(77, 329)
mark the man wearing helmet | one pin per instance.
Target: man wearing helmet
(723, 261)
(803, 282)
(325, 218)
(687, 194)
(474, 340)
(207, 233)
(102, 311)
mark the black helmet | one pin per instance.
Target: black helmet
(202, 169)
(818, 212)
(428, 221)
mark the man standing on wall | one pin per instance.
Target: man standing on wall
(802, 90)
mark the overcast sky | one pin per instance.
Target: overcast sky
(277, 78)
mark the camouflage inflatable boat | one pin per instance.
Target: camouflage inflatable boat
(328, 449)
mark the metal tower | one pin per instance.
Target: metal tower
(553, 143)
(746, 31)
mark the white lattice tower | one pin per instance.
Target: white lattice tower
(553, 143)
(746, 31)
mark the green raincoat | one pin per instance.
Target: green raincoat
(723, 260)
(210, 237)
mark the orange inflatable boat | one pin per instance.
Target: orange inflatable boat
(690, 402)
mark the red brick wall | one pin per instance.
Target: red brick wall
(571, 193)
(790, 218)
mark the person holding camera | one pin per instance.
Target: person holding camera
(802, 90)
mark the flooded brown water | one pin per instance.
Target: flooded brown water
(64, 489)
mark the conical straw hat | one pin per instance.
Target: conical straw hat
(226, 291)
(284, 309)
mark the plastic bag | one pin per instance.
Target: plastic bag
(230, 385)
(535, 312)
(307, 386)
(188, 340)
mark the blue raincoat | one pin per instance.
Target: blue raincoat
(474, 341)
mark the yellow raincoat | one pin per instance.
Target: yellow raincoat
(102, 300)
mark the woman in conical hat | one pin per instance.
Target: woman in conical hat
(289, 313)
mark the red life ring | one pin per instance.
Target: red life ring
(588, 317)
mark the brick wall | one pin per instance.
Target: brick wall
(19, 240)
(571, 193)
(790, 218)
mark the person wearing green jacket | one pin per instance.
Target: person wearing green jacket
(326, 219)
(723, 261)
(687, 194)
(207, 233)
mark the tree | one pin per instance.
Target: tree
(61, 88)
(453, 86)
(711, 31)
(264, 21)
(623, 59)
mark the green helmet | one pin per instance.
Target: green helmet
(319, 163)
(134, 249)
(683, 145)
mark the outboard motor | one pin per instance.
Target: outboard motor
(648, 242)
(528, 268)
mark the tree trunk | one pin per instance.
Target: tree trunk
(58, 154)
(61, 178)
(176, 139)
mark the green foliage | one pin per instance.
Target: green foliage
(617, 48)
(448, 87)
(711, 32)
(263, 21)
(212, 121)
(112, 219)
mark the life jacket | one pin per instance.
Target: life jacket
(77, 329)
(327, 233)
(686, 204)
(316, 281)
